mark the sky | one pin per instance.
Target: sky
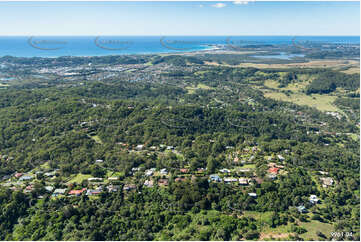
(179, 18)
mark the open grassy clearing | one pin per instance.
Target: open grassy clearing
(314, 226)
(192, 89)
(321, 102)
(96, 138)
(352, 70)
(78, 178)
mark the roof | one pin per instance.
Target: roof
(273, 170)
(184, 170)
(77, 192)
(163, 182)
(59, 191)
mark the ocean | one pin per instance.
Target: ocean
(56, 46)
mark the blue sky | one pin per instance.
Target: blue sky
(179, 18)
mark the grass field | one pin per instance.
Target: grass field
(314, 226)
(192, 89)
(78, 178)
(320, 102)
(97, 139)
(249, 166)
(352, 70)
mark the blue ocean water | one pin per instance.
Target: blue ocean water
(45, 46)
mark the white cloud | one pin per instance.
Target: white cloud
(241, 2)
(219, 5)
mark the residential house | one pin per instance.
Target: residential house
(148, 172)
(95, 179)
(164, 171)
(272, 176)
(26, 178)
(149, 183)
(91, 192)
(327, 181)
(139, 147)
(184, 170)
(230, 180)
(200, 170)
(50, 174)
(49, 188)
(17, 175)
(129, 187)
(113, 178)
(302, 209)
(180, 179)
(29, 189)
(225, 171)
(215, 178)
(163, 182)
(113, 188)
(273, 170)
(77, 192)
(252, 194)
(59, 192)
(313, 199)
(280, 157)
(243, 181)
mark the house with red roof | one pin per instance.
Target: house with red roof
(273, 170)
(77, 192)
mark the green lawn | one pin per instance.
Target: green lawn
(78, 178)
(314, 226)
(192, 89)
(97, 139)
(249, 166)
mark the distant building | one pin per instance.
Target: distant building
(184, 170)
(252, 194)
(149, 183)
(164, 171)
(148, 173)
(273, 170)
(59, 192)
(180, 179)
(113, 188)
(49, 188)
(225, 171)
(163, 182)
(113, 178)
(140, 147)
(92, 192)
(17, 175)
(243, 181)
(215, 178)
(313, 199)
(230, 180)
(302, 209)
(129, 187)
(77, 192)
(327, 181)
(26, 178)
(280, 157)
(95, 179)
